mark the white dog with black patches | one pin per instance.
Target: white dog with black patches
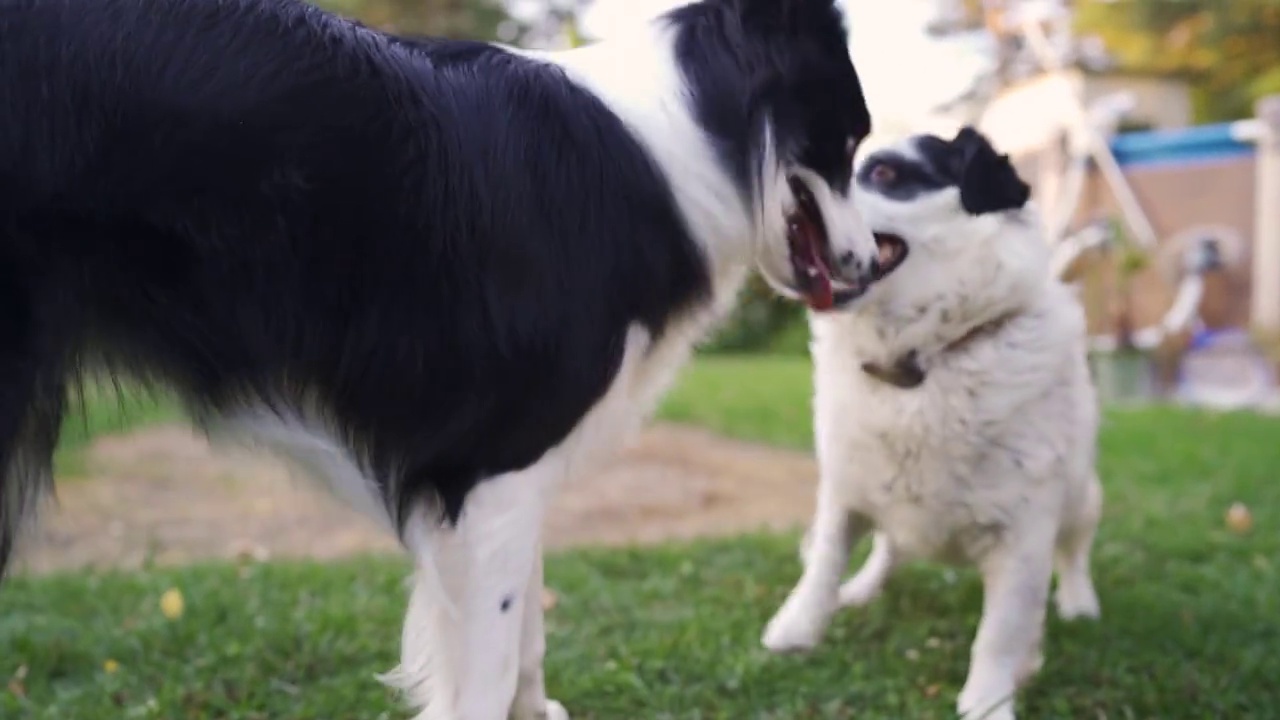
(954, 414)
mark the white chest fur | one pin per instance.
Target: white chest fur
(944, 467)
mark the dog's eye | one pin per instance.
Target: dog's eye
(882, 174)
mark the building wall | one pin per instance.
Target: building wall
(1177, 196)
(1162, 103)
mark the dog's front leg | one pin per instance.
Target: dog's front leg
(804, 617)
(461, 654)
(1006, 651)
(531, 701)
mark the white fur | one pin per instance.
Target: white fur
(307, 442)
(989, 462)
(465, 657)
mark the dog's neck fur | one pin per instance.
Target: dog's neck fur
(637, 75)
(900, 347)
(905, 371)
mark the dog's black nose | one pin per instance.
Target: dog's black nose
(848, 259)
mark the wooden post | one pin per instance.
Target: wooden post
(1051, 166)
(1265, 303)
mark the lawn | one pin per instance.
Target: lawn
(101, 410)
(1190, 629)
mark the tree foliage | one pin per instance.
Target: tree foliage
(1230, 49)
(552, 23)
(759, 319)
(471, 19)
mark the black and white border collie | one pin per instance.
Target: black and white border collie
(439, 275)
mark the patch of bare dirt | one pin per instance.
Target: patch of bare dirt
(163, 496)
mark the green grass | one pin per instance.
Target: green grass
(1190, 629)
(762, 398)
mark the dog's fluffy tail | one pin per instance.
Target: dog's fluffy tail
(27, 441)
(33, 392)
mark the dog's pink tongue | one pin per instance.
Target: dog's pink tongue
(818, 290)
(820, 295)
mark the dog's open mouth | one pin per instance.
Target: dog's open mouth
(812, 261)
(892, 250)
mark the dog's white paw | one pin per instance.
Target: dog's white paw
(555, 711)
(1004, 712)
(1077, 601)
(551, 711)
(794, 628)
(984, 706)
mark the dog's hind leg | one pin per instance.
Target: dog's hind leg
(531, 701)
(461, 654)
(427, 671)
(853, 535)
(1075, 596)
(867, 583)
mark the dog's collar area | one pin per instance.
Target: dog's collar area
(905, 372)
(990, 327)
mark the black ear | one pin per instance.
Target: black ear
(988, 182)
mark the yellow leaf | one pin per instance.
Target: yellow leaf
(171, 603)
(1239, 519)
(110, 666)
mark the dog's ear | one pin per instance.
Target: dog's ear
(988, 181)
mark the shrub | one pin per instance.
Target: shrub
(761, 316)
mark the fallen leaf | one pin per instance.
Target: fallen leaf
(248, 552)
(931, 691)
(171, 603)
(1239, 519)
(16, 686)
(549, 599)
(110, 666)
